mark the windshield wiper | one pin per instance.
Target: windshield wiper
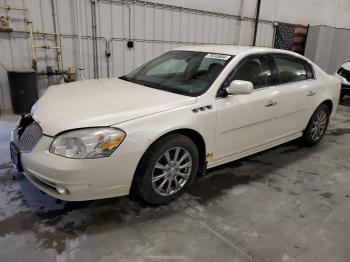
(140, 82)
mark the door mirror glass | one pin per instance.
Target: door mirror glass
(240, 87)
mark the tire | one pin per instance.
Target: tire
(155, 168)
(317, 126)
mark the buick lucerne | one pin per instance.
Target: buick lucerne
(152, 130)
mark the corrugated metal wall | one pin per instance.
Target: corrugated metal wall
(155, 29)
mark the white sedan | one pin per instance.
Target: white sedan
(154, 129)
(343, 74)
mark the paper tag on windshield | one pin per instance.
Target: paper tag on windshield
(218, 56)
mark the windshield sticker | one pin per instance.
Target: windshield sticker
(218, 56)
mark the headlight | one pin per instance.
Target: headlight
(87, 143)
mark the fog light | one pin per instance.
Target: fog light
(62, 190)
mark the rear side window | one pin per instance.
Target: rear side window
(290, 69)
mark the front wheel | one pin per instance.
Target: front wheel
(317, 126)
(166, 169)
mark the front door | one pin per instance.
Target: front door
(245, 122)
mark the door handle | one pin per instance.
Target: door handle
(271, 103)
(311, 93)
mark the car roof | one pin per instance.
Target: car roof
(230, 49)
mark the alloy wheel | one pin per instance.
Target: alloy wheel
(172, 171)
(319, 125)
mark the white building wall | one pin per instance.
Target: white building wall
(328, 47)
(172, 27)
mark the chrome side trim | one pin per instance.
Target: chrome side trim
(249, 125)
(258, 148)
(261, 122)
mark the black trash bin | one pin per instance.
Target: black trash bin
(24, 90)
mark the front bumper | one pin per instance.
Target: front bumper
(79, 179)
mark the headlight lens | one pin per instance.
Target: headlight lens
(87, 143)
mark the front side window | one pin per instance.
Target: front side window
(183, 72)
(290, 69)
(253, 69)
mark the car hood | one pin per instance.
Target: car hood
(102, 102)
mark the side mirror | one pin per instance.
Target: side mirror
(240, 87)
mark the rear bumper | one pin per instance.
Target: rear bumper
(79, 179)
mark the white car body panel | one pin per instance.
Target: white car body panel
(238, 120)
(101, 102)
(233, 127)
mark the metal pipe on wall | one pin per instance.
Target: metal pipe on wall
(54, 16)
(258, 4)
(239, 22)
(108, 51)
(94, 39)
(59, 58)
(188, 10)
(80, 44)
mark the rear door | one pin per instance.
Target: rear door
(296, 88)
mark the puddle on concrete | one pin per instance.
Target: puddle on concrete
(326, 195)
(9, 175)
(215, 184)
(338, 132)
(5, 165)
(53, 223)
(294, 149)
(50, 238)
(53, 228)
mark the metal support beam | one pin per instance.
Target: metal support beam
(258, 4)
(94, 39)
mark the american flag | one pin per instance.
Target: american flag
(291, 37)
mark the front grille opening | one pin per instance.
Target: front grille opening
(30, 137)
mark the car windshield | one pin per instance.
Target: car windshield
(182, 72)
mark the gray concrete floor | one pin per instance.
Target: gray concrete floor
(287, 204)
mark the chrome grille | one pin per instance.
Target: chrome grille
(29, 138)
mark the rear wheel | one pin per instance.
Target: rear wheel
(317, 126)
(167, 169)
